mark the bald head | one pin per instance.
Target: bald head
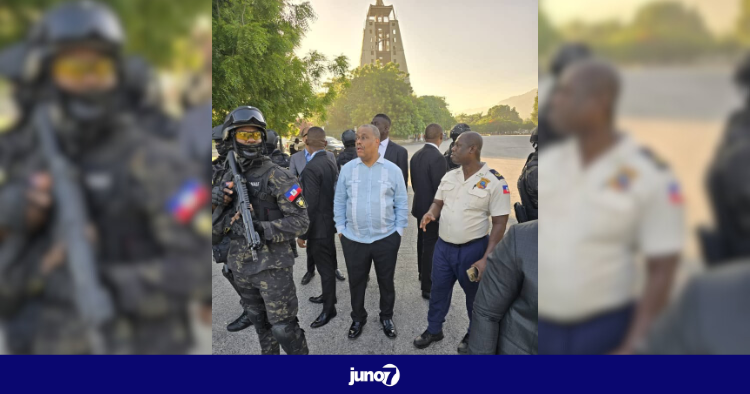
(316, 138)
(467, 149)
(585, 98)
(472, 139)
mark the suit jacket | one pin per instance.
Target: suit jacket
(428, 166)
(318, 181)
(297, 162)
(504, 320)
(398, 155)
(710, 317)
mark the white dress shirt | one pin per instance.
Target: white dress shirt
(382, 146)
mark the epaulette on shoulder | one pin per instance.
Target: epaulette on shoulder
(497, 174)
(648, 153)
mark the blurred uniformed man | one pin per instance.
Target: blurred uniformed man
(455, 132)
(606, 201)
(349, 138)
(266, 285)
(466, 201)
(147, 219)
(528, 185)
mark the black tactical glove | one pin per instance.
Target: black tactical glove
(217, 195)
(259, 228)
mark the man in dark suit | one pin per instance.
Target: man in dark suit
(428, 166)
(297, 163)
(317, 182)
(390, 150)
(505, 313)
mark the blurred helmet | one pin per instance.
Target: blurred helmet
(78, 22)
(742, 74)
(458, 129)
(240, 117)
(217, 135)
(272, 141)
(139, 81)
(349, 138)
(534, 137)
(12, 62)
(567, 55)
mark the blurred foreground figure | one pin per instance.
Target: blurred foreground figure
(528, 184)
(567, 55)
(727, 183)
(604, 199)
(145, 222)
(506, 307)
(262, 275)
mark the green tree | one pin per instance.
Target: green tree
(549, 38)
(504, 112)
(535, 112)
(153, 27)
(254, 62)
(377, 88)
(434, 109)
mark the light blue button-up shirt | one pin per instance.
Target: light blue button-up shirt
(309, 156)
(370, 202)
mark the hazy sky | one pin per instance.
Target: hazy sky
(473, 52)
(719, 15)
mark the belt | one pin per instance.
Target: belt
(464, 244)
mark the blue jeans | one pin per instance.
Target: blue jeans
(449, 263)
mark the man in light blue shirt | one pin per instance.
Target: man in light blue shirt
(371, 210)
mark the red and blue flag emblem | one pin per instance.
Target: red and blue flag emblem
(505, 189)
(191, 197)
(675, 196)
(293, 193)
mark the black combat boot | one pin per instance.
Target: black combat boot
(240, 323)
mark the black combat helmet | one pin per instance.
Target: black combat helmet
(458, 129)
(534, 137)
(245, 116)
(78, 24)
(349, 138)
(217, 135)
(567, 55)
(272, 141)
(742, 74)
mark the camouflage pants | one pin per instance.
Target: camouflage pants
(270, 300)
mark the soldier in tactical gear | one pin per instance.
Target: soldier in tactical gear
(146, 242)
(727, 179)
(143, 97)
(266, 286)
(349, 138)
(455, 132)
(281, 160)
(528, 185)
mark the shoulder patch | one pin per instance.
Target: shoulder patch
(496, 174)
(293, 193)
(301, 202)
(661, 164)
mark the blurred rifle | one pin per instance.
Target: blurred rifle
(92, 300)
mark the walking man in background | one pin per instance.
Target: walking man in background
(428, 166)
(370, 211)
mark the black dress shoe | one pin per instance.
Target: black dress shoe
(240, 323)
(426, 295)
(340, 276)
(389, 328)
(426, 339)
(463, 347)
(320, 300)
(323, 319)
(355, 329)
(308, 277)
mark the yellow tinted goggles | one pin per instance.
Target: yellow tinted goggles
(77, 69)
(248, 136)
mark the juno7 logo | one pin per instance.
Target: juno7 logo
(377, 376)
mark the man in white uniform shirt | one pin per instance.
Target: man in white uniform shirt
(604, 201)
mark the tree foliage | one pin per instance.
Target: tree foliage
(535, 112)
(743, 24)
(254, 62)
(434, 109)
(153, 27)
(500, 119)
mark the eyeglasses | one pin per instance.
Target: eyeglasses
(74, 68)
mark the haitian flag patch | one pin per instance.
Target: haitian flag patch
(188, 200)
(505, 189)
(675, 196)
(293, 193)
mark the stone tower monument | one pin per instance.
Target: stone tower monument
(382, 37)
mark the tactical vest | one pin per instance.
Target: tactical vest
(265, 205)
(531, 208)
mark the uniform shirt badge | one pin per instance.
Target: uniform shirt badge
(482, 184)
(623, 179)
(301, 202)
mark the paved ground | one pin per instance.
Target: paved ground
(506, 154)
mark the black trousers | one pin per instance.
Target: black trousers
(425, 249)
(311, 259)
(359, 258)
(324, 253)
